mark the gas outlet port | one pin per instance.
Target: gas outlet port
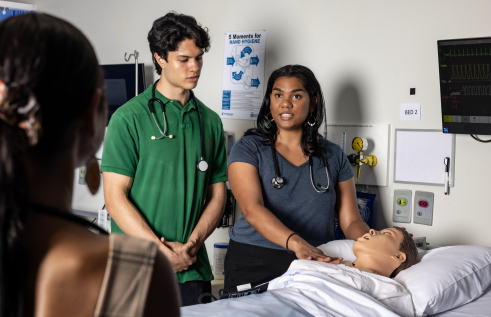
(423, 203)
(402, 206)
(423, 208)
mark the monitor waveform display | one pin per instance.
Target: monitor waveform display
(475, 71)
(476, 90)
(467, 53)
(465, 85)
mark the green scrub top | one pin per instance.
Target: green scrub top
(167, 189)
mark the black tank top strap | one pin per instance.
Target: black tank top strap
(67, 216)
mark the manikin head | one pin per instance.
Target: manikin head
(386, 252)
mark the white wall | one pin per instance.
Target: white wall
(366, 55)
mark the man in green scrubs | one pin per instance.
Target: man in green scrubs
(152, 187)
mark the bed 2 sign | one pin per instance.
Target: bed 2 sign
(411, 111)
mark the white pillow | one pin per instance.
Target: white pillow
(447, 277)
(339, 248)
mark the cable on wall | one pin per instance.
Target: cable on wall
(475, 137)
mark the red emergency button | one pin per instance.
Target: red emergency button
(423, 203)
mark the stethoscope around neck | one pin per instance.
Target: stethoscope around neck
(202, 165)
(277, 181)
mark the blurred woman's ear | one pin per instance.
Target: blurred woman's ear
(90, 116)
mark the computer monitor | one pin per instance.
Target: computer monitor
(9, 9)
(120, 84)
(465, 85)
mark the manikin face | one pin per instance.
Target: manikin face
(183, 67)
(384, 243)
(290, 103)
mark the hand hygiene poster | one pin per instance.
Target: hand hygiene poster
(243, 74)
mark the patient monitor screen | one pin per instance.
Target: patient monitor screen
(465, 85)
(120, 84)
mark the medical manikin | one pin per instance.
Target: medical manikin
(327, 288)
(385, 252)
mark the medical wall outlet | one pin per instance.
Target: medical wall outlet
(402, 205)
(423, 208)
(81, 175)
(359, 145)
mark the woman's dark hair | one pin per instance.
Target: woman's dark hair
(268, 129)
(409, 248)
(48, 59)
(170, 30)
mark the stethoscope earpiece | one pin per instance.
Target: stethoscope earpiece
(164, 136)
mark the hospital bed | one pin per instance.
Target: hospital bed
(269, 305)
(447, 282)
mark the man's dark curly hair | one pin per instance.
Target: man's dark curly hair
(170, 30)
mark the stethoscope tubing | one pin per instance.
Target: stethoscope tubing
(325, 189)
(202, 165)
(200, 126)
(278, 181)
(165, 126)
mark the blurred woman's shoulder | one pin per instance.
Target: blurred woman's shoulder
(71, 271)
(86, 274)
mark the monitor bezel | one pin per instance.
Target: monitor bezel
(461, 128)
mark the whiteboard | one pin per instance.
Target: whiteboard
(419, 155)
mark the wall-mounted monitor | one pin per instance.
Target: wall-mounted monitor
(465, 85)
(9, 9)
(120, 84)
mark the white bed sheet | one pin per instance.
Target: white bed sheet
(325, 289)
(480, 307)
(257, 305)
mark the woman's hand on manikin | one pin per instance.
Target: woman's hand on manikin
(303, 250)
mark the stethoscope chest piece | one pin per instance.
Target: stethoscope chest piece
(277, 182)
(202, 165)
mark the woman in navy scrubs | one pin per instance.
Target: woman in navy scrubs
(289, 182)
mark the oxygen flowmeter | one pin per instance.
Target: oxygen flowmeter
(360, 145)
